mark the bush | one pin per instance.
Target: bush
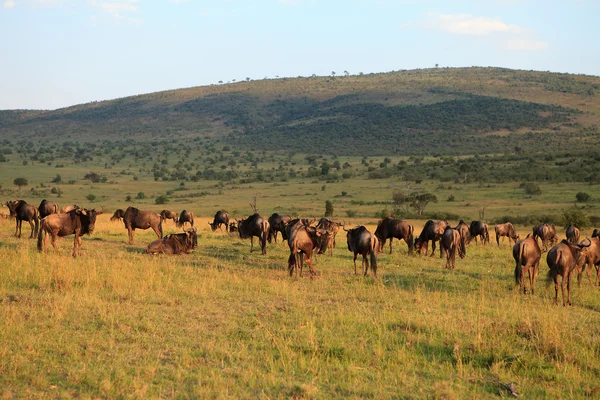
(91, 197)
(577, 218)
(582, 197)
(328, 208)
(351, 213)
(162, 199)
(140, 196)
(531, 188)
(20, 182)
(451, 198)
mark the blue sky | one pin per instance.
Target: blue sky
(57, 53)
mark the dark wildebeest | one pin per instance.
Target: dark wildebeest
(277, 224)
(46, 208)
(506, 230)
(303, 240)
(390, 228)
(547, 233)
(136, 219)
(563, 259)
(452, 242)
(255, 225)
(24, 212)
(232, 227)
(479, 229)
(463, 229)
(431, 231)
(166, 214)
(221, 218)
(527, 255)
(573, 234)
(592, 259)
(66, 209)
(596, 233)
(332, 229)
(118, 215)
(175, 243)
(79, 222)
(361, 241)
(185, 216)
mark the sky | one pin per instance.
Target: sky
(57, 53)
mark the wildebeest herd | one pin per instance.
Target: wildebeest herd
(307, 237)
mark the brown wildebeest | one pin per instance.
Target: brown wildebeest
(118, 215)
(452, 242)
(221, 218)
(277, 224)
(185, 216)
(431, 231)
(563, 259)
(24, 212)
(302, 241)
(79, 222)
(289, 225)
(255, 225)
(166, 214)
(596, 233)
(592, 259)
(68, 208)
(390, 228)
(136, 219)
(547, 233)
(479, 229)
(46, 208)
(527, 255)
(506, 230)
(463, 229)
(361, 241)
(332, 229)
(573, 234)
(175, 243)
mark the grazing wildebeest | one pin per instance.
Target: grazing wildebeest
(332, 229)
(507, 230)
(527, 255)
(463, 229)
(255, 225)
(596, 233)
(233, 227)
(479, 229)
(390, 228)
(452, 242)
(68, 208)
(563, 259)
(277, 224)
(431, 231)
(175, 243)
(24, 212)
(136, 219)
(46, 208)
(573, 234)
(11, 212)
(592, 259)
(547, 233)
(361, 241)
(221, 218)
(79, 222)
(166, 214)
(118, 215)
(303, 240)
(185, 216)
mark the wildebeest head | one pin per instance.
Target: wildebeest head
(88, 219)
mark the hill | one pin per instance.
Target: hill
(417, 112)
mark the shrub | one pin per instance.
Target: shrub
(328, 208)
(351, 213)
(582, 197)
(451, 198)
(91, 197)
(20, 182)
(531, 188)
(162, 199)
(577, 218)
(140, 195)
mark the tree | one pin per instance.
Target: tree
(91, 197)
(20, 182)
(162, 199)
(531, 188)
(328, 208)
(582, 197)
(57, 179)
(419, 202)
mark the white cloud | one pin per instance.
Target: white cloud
(117, 8)
(9, 4)
(525, 45)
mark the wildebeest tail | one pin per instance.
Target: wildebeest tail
(519, 266)
(373, 255)
(462, 249)
(552, 272)
(160, 229)
(265, 235)
(37, 222)
(411, 239)
(291, 263)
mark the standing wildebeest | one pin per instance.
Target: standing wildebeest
(79, 221)
(332, 229)
(166, 214)
(547, 233)
(431, 231)
(175, 243)
(451, 242)
(592, 259)
(479, 228)
(390, 228)
(66, 209)
(221, 218)
(563, 259)
(573, 234)
(289, 225)
(255, 225)
(24, 212)
(118, 215)
(46, 208)
(136, 219)
(527, 255)
(303, 240)
(361, 241)
(277, 224)
(507, 230)
(463, 229)
(185, 216)
(596, 233)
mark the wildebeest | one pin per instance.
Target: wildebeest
(463, 229)
(24, 212)
(255, 225)
(361, 241)
(332, 229)
(479, 229)
(166, 214)
(136, 219)
(596, 233)
(46, 208)
(573, 234)
(547, 233)
(277, 224)
(287, 226)
(185, 216)
(303, 240)
(506, 230)
(232, 227)
(66, 209)
(175, 243)
(592, 259)
(390, 228)
(431, 231)
(527, 255)
(79, 222)
(221, 218)
(117, 215)
(563, 259)
(452, 242)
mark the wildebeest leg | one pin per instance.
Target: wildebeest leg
(568, 289)
(53, 241)
(75, 244)
(19, 226)
(391, 244)
(498, 239)
(433, 248)
(157, 231)
(130, 232)
(365, 264)
(536, 269)
(562, 289)
(31, 225)
(556, 289)
(355, 255)
(252, 245)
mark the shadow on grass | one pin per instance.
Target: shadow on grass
(11, 246)
(135, 250)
